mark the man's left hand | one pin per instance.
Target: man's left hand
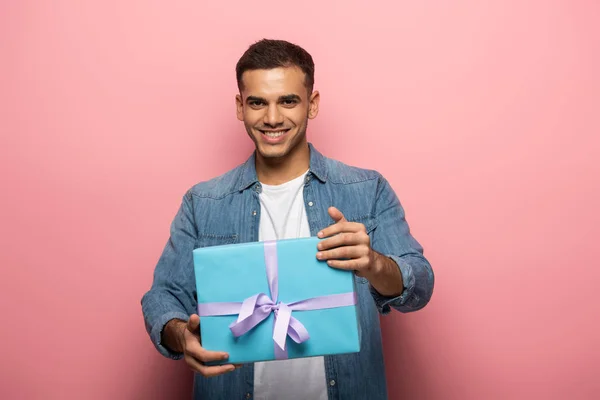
(347, 245)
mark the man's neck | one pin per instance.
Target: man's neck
(272, 171)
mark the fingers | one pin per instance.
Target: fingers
(195, 350)
(342, 226)
(193, 324)
(206, 370)
(196, 357)
(345, 245)
(335, 214)
(344, 239)
(344, 252)
(356, 265)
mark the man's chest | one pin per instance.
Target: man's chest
(237, 218)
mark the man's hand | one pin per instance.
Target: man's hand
(348, 246)
(187, 337)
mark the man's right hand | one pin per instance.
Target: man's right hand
(187, 336)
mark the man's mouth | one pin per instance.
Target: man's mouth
(274, 134)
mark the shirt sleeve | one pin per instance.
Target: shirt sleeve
(393, 239)
(173, 292)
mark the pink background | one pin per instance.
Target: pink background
(485, 119)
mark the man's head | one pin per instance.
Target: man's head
(275, 79)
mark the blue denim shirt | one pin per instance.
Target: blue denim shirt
(226, 210)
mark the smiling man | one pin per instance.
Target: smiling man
(287, 189)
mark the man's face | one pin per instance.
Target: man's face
(275, 107)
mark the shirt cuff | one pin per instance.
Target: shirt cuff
(402, 302)
(156, 333)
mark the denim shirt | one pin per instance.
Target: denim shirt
(226, 210)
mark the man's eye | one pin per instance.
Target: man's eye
(256, 103)
(289, 102)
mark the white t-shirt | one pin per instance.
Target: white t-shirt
(283, 216)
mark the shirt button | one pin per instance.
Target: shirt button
(248, 395)
(254, 213)
(310, 203)
(332, 383)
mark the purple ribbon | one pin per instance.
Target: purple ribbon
(257, 308)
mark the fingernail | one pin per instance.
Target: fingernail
(319, 255)
(225, 356)
(320, 234)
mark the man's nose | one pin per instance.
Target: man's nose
(273, 117)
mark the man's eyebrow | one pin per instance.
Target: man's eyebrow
(255, 98)
(290, 97)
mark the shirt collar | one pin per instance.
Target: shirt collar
(248, 175)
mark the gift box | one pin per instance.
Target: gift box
(274, 300)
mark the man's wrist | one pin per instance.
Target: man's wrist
(173, 335)
(385, 276)
(377, 267)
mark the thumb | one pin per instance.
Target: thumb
(193, 323)
(336, 214)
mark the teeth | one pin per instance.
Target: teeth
(274, 134)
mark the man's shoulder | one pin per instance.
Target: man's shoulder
(218, 187)
(340, 172)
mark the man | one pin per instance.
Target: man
(287, 189)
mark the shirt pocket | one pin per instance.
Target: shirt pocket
(370, 224)
(214, 239)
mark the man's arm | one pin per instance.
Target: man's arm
(393, 240)
(172, 335)
(399, 276)
(171, 297)
(385, 276)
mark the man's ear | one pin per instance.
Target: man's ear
(313, 104)
(239, 107)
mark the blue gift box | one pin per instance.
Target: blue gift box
(234, 273)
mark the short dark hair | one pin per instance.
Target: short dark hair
(269, 54)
